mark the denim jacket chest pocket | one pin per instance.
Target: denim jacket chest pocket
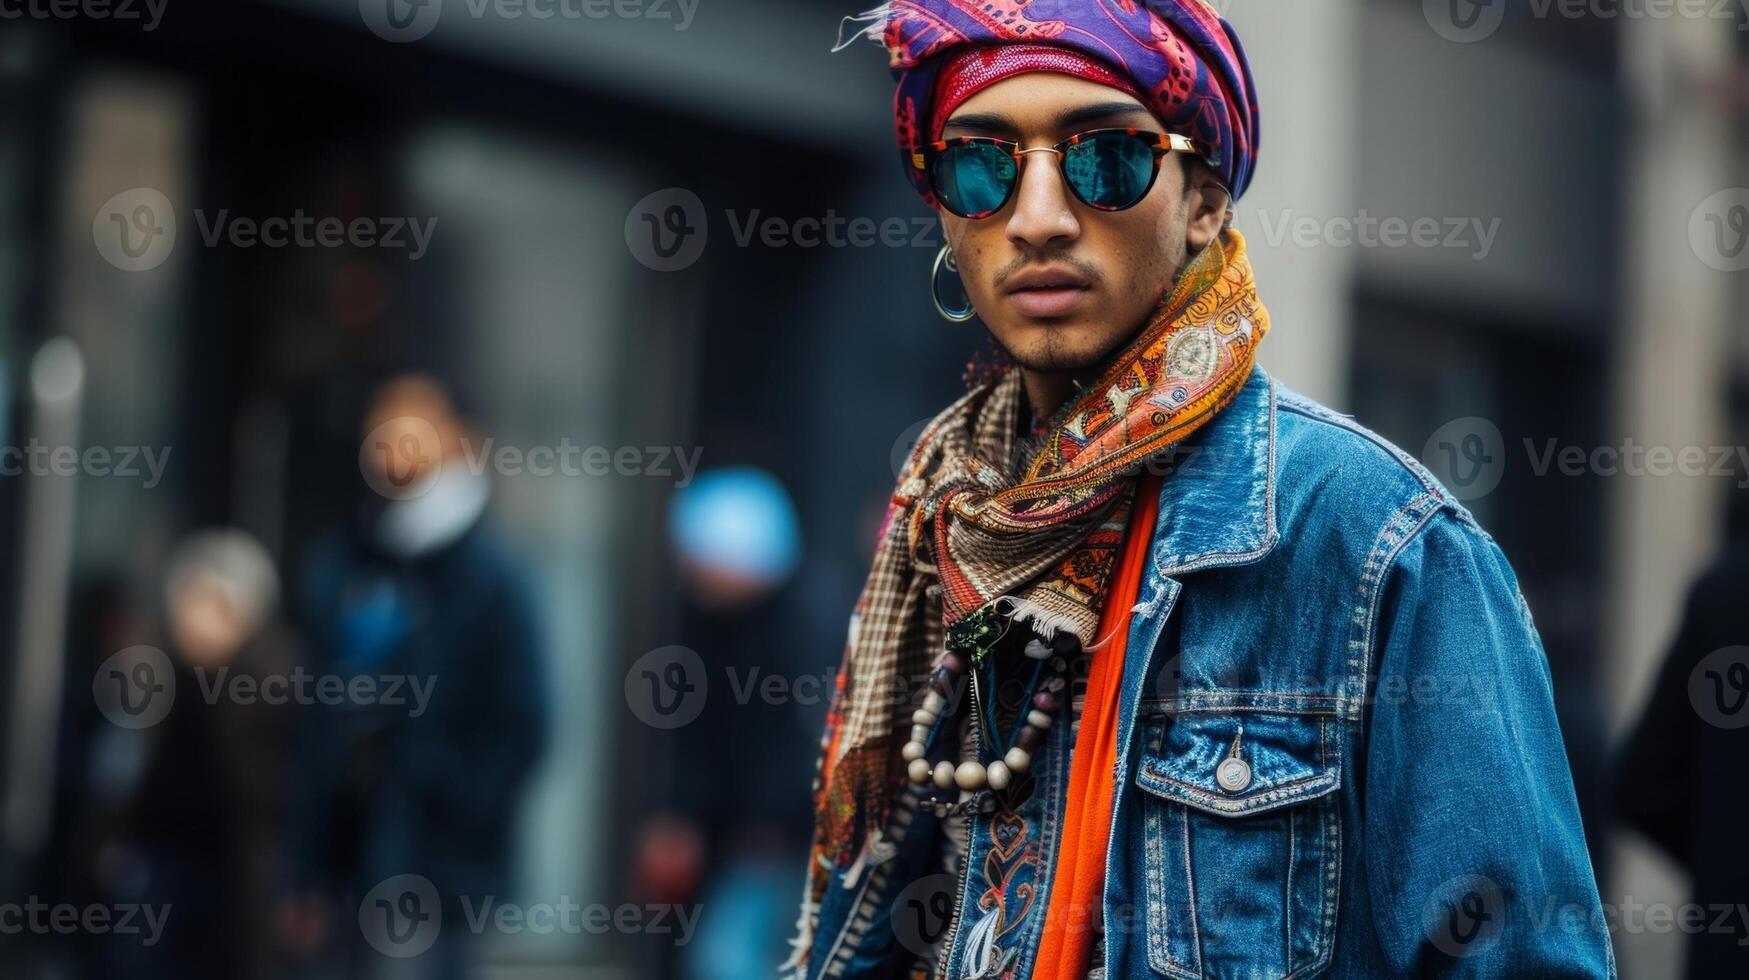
(1242, 842)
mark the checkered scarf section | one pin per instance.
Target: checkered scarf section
(982, 514)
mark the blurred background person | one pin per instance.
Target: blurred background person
(182, 811)
(736, 545)
(1694, 729)
(423, 781)
(207, 821)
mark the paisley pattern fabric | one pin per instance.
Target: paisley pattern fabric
(1181, 54)
(981, 514)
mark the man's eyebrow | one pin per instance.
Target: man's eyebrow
(982, 122)
(1097, 111)
(994, 123)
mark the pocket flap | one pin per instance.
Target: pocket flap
(1287, 759)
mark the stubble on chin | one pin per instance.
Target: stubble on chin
(1052, 354)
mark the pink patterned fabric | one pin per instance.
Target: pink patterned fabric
(1181, 54)
(972, 70)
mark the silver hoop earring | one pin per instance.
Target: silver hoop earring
(944, 260)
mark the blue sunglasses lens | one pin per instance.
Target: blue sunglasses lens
(973, 180)
(1109, 171)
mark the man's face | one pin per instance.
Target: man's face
(1061, 286)
(410, 430)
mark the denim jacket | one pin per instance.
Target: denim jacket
(1338, 749)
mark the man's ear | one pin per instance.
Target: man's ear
(1211, 207)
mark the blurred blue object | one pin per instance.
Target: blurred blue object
(737, 522)
(748, 913)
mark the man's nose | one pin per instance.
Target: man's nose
(1043, 215)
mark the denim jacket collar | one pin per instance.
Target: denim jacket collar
(1217, 506)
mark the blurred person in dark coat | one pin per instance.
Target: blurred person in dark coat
(404, 797)
(198, 827)
(1679, 780)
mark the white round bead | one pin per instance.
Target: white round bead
(944, 774)
(970, 776)
(999, 775)
(1037, 650)
(933, 702)
(919, 771)
(1039, 720)
(1018, 760)
(919, 733)
(912, 751)
(922, 717)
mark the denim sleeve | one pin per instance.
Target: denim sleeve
(1475, 858)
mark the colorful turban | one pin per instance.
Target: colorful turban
(1180, 56)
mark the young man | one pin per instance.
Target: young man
(1163, 669)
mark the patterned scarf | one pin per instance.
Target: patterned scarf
(981, 514)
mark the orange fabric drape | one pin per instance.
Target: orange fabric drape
(1078, 883)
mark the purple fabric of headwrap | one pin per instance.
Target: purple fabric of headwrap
(1180, 53)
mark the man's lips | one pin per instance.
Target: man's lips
(1048, 292)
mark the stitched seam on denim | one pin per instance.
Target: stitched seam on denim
(1402, 529)
(1159, 941)
(1307, 409)
(1033, 933)
(1190, 889)
(1152, 806)
(1293, 792)
(846, 944)
(1331, 839)
(1183, 564)
(1287, 940)
(1235, 694)
(1154, 868)
(1272, 702)
(965, 900)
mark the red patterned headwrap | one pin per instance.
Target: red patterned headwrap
(971, 70)
(1180, 55)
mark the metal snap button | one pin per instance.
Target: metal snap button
(1233, 774)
